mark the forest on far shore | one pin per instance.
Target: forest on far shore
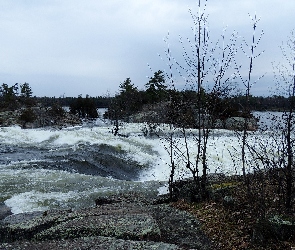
(258, 103)
(9, 95)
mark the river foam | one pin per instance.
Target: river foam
(31, 178)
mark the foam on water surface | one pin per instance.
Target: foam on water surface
(27, 190)
(26, 187)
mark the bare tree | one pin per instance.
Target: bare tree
(248, 83)
(205, 68)
(273, 151)
(286, 81)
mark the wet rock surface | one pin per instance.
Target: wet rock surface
(4, 211)
(130, 222)
(90, 243)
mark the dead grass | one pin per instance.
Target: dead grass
(231, 227)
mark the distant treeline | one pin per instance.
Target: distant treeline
(11, 97)
(258, 103)
(181, 107)
(99, 101)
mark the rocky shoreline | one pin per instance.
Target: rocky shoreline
(44, 117)
(127, 221)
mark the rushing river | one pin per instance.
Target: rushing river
(43, 169)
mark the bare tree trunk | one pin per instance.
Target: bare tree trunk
(172, 172)
(289, 175)
(203, 62)
(247, 109)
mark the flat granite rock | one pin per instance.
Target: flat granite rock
(90, 243)
(123, 226)
(21, 218)
(128, 224)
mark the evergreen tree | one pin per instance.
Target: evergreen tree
(156, 89)
(9, 96)
(84, 107)
(26, 90)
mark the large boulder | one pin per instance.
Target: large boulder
(238, 123)
(274, 227)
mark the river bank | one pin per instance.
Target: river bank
(127, 221)
(38, 117)
(52, 170)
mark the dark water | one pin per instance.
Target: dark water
(101, 160)
(42, 170)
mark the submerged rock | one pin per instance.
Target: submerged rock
(238, 123)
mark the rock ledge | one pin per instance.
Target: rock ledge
(132, 222)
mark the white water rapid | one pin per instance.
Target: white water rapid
(43, 169)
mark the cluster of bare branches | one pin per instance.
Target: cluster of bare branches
(276, 157)
(211, 67)
(205, 67)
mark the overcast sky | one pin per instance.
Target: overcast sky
(72, 47)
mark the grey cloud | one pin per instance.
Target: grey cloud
(78, 47)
